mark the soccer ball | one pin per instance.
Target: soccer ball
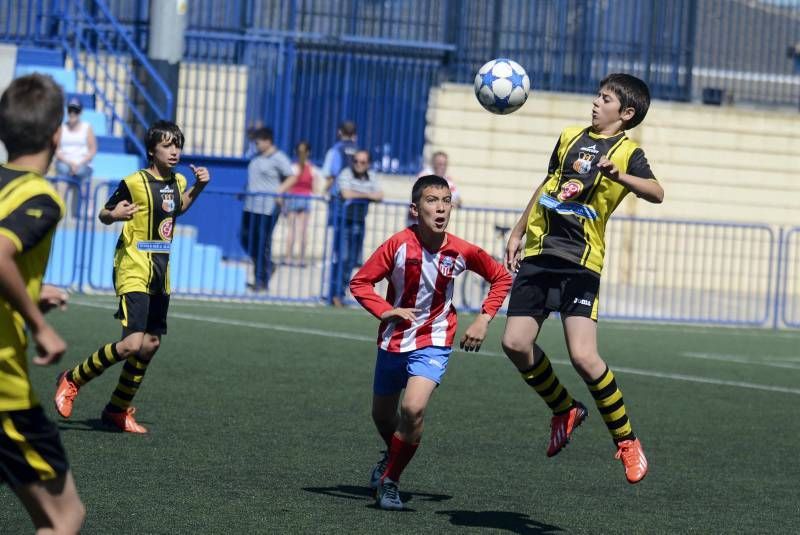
(502, 86)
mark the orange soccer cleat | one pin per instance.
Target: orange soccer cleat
(632, 455)
(123, 421)
(66, 391)
(562, 426)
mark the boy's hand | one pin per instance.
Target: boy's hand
(124, 211)
(201, 174)
(475, 334)
(51, 297)
(49, 346)
(408, 314)
(513, 253)
(608, 168)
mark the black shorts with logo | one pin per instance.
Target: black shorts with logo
(140, 312)
(547, 284)
(30, 448)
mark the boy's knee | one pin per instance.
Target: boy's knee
(515, 345)
(412, 413)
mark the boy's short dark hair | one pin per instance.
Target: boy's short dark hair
(31, 111)
(347, 129)
(263, 134)
(160, 131)
(426, 181)
(631, 92)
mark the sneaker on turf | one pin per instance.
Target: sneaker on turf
(389, 495)
(124, 421)
(378, 470)
(562, 426)
(66, 391)
(633, 459)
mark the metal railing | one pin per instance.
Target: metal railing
(110, 65)
(656, 270)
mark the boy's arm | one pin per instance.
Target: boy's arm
(500, 281)
(202, 176)
(362, 285)
(515, 242)
(639, 178)
(119, 206)
(49, 345)
(21, 230)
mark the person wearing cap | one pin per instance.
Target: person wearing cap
(78, 145)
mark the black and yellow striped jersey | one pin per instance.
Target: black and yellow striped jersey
(30, 209)
(568, 219)
(141, 261)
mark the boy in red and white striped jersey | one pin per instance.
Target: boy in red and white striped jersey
(418, 322)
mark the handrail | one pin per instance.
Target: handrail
(88, 35)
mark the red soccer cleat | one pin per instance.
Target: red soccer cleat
(562, 426)
(66, 391)
(123, 421)
(632, 455)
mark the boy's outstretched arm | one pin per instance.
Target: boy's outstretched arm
(645, 188)
(202, 176)
(500, 281)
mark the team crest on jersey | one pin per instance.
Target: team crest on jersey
(446, 265)
(165, 229)
(584, 162)
(569, 189)
(168, 202)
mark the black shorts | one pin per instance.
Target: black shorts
(140, 312)
(547, 284)
(30, 448)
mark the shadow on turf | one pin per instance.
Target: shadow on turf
(89, 424)
(506, 520)
(353, 492)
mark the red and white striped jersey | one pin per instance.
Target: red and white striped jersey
(424, 280)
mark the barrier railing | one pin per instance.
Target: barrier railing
(656, 270)
(789, 303)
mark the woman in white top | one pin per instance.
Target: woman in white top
(78, 145)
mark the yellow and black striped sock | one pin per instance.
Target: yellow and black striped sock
(103, 358)
(129, 382)
(608, 398)
(543, 379)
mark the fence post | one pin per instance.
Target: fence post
(779, 274)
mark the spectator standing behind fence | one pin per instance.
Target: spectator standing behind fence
(438, 167)
(298, 205)
(357, 188)
(269, 174)
(339, 156)
(76, 149)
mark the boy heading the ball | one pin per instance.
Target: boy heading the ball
(148, 201)
(558, 264)
(418, 322)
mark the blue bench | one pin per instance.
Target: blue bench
(66, 79)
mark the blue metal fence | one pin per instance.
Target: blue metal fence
(302, 66)
(656, 270)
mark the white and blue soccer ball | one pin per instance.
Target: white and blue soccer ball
(502, 86)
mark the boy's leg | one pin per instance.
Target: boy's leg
(133, 312)
(581, 336)
(389, 380)
(406, 440)
(54, 505)
(132, 374)
(119, 412)
(537, 371)
(34, 464)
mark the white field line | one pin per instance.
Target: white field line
(361, 338)
(771, 362)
